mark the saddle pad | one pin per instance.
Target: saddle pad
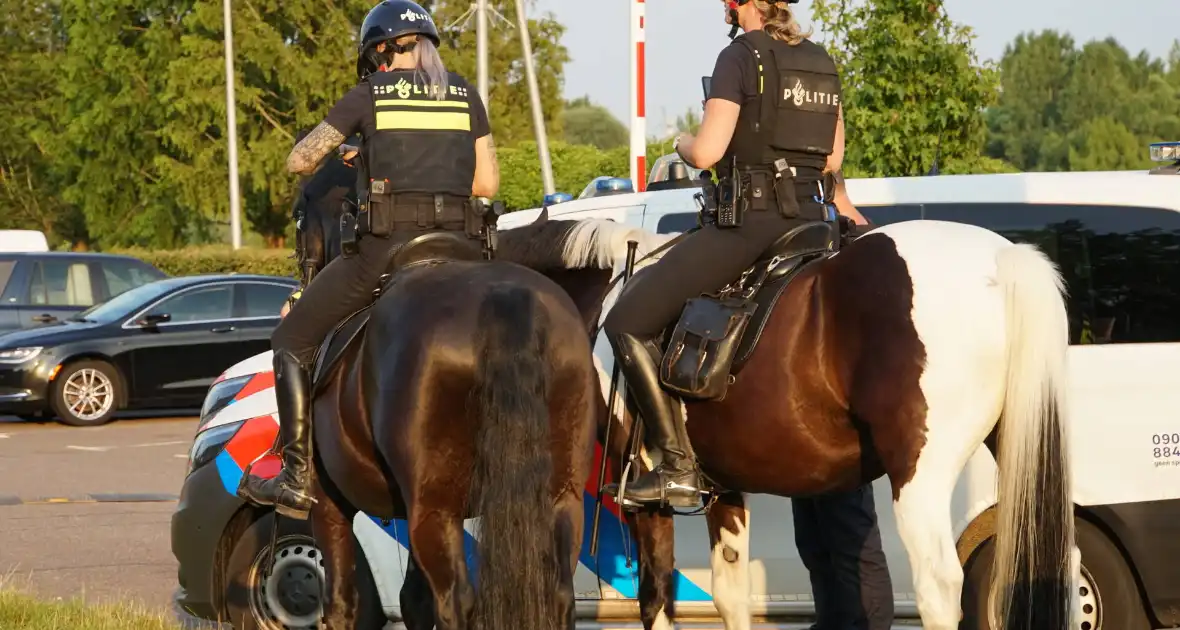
(336, 343)
(766, 299)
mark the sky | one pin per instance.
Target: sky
(684, 37)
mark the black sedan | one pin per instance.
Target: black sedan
(157, 346)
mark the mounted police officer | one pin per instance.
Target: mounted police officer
(426, 149)
(773, 126)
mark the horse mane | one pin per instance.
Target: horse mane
(552, 245)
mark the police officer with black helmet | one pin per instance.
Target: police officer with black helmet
(426, 150)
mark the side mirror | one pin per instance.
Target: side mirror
(155, 319)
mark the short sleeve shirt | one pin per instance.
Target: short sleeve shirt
(734, 76)
(353, 113)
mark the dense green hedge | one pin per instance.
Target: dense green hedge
(197, 260)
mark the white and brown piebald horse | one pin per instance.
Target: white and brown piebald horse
(900, 355)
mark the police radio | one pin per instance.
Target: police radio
(731, 206)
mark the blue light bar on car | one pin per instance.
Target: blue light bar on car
(1165, 151)
(557, 197)
(615, 184)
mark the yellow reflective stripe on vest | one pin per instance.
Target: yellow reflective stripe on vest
(408, 114)
(442, 121)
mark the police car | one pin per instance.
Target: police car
(1116, 236)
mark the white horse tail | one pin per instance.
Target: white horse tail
(1034, 572)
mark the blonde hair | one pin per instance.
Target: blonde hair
(429, 69)
(778, 21)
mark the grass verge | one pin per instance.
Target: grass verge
(19, 611)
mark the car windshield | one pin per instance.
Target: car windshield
(125, 303)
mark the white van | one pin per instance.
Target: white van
(1116, 237)
(23, 241)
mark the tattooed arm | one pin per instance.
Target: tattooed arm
(487, 169)
(306, 157)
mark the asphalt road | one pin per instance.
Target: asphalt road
(104, 551)
(116, 551)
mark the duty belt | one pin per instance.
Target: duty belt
(803, 190)
(412, 211)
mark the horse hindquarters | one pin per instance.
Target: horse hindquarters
(510, 487)
(1035, 565)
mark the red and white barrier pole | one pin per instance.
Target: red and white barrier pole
(638, 98)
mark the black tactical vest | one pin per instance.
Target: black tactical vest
(420, 144)
(795, 116)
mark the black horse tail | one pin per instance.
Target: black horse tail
(510, 488)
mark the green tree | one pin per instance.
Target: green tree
(109, 82)
(1103, 143)
(508, 89)
(584, 122)
(913, 86)
(1025, 125)
(690, 122)
(574, 166)
(293, 61)
(1055, 97)
(32, 38)
(1173, 75)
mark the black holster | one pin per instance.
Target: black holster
(376, 217)
(480, 223)
(349, 235)
(829, 182)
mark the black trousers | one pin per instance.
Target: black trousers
(840, 543)
(703, 262)
(343, 287)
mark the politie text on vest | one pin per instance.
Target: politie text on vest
(800, 95)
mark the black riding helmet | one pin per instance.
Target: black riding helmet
(387, 21)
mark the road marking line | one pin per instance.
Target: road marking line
(181, 456)
(149, 444)
(94, 449)
(10, 500)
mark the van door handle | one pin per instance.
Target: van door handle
(44, 318)
(222, 329)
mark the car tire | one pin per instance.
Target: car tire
(296, 602)
(1109, 593)
(88, 377)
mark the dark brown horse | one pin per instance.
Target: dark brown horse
(897, 356)
(467, 390)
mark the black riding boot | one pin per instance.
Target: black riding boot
(675, 481)
(290, 491)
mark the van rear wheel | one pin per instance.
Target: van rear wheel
(1108, 594)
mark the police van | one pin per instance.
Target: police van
(1116, 237)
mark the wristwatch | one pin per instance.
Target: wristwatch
(676, 142)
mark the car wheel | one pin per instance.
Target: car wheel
(287, 598)
(1109, 595)
(86, 393)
